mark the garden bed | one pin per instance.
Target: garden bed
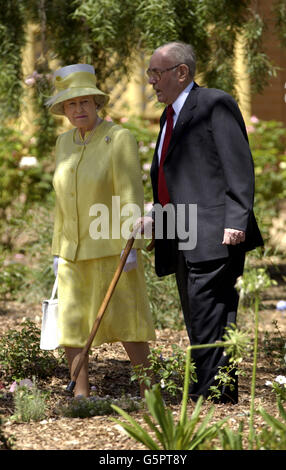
(110, 375)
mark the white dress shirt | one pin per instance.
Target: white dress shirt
(177, 106)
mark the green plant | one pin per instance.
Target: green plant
(225, 377)
(30, 404)
(270, 436)
(267, 141)
(236, 344)
(169, 371)
(274, 344)
(30, 279)
(81, 407)
(21, 356)
(273, 436)
(32, 182)
(231, 440)
(251, 285)
(12, 278)
(186, 434)
(278, 387)
(253, 378)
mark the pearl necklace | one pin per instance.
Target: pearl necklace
(79, 141)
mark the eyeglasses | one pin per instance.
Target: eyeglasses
(155, 74)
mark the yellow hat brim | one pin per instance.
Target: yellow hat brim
(57, 106)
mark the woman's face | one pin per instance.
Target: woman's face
(81, 112)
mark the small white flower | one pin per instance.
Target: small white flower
(30, 81)
(143, 149)
(281, 379)
(268, 383)
(28, 161)
(162, 383)
(146, 166)
(254, 119)
(281, 305)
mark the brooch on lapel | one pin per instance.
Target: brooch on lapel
(107, 139)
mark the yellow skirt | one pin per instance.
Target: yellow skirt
(82, 286)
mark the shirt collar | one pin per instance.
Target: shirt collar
(180, 101)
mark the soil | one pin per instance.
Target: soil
(110, 374)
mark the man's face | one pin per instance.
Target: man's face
(168, 86)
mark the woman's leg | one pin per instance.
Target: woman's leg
(138, 354)
(82, 384)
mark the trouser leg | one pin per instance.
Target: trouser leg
(209, 302)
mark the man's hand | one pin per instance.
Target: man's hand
(233, 237)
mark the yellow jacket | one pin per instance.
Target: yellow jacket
(108, 166)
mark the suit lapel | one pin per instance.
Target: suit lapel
(186, 115)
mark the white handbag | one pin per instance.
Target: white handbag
(49, 330)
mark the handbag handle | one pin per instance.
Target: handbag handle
(55, 287)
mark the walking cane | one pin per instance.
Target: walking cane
(102, 309)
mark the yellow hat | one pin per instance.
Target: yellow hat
(73, 81)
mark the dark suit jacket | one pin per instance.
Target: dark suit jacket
(209, 164)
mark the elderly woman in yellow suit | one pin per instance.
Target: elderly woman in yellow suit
(97, 167)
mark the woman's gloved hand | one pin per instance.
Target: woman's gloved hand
(131, 262)
(55, 265)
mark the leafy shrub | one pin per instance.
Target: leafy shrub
(21, 356)
(169, 371)
(12, 279)
(81, 407)
(268, 142)
(30, 404)
(33, 182)
(31, 279)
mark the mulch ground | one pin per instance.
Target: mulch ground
(110, 374)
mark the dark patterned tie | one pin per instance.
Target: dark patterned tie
(163, 194)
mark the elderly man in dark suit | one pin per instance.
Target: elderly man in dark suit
(202, 160)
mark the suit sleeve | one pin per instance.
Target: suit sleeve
(237, 165)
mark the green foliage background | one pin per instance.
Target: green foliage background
(110, 33)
